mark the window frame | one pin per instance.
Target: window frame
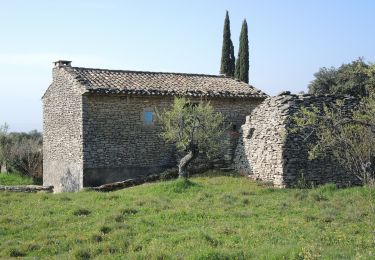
(143, 117)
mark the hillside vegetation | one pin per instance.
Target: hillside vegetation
(207, 217)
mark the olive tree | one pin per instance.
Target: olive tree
(194, 128)
(347, 135)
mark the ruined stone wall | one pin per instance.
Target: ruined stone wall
(117, 143)
(62, 133)
(269, 152)
(259, 150)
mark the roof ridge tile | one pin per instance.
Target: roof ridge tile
(161, 83)
(152, 72)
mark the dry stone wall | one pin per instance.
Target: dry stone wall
(26, 188)
(118, 145)
(269, 152)
(62, 133)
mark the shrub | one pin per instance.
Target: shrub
(21, 151)
(338, 132)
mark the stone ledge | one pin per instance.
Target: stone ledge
(26, 188)
(167, 174)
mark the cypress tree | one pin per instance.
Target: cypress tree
(227, 54)
(232, 60)
(242, 65)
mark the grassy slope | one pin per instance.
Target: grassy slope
(15, 179)
(212, 217)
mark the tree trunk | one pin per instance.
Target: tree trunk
(185, 161)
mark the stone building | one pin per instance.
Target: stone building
(269, 152)
(100, 127)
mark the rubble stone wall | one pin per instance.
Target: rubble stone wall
(62, 133)
(269, 152)
(117, 143)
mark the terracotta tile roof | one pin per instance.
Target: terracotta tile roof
(161, 83)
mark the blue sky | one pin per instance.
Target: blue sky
(289, 41)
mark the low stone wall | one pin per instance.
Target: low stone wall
(27, 188)
(171, 173)
(269, 152)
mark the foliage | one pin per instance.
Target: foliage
(324, 82)
(227, 54)
(26, 154)
(242, 64)
(349, 136)
(371, 81)
(194, 128)
(187, 124)
(356, 78)
(21, 151)
(218, 217)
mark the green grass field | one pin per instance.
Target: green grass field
(15, 179)
(218, 217)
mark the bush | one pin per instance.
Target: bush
(26, 155)
(21, 152)
(339, 132)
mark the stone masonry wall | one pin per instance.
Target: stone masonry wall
(259, 151)
(268, 152)
(62, 134)
(117, 143)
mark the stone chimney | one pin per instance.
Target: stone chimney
(57, 65)
(62, 63)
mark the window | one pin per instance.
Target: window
(148, 117)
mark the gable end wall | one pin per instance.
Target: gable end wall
(62, 133)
